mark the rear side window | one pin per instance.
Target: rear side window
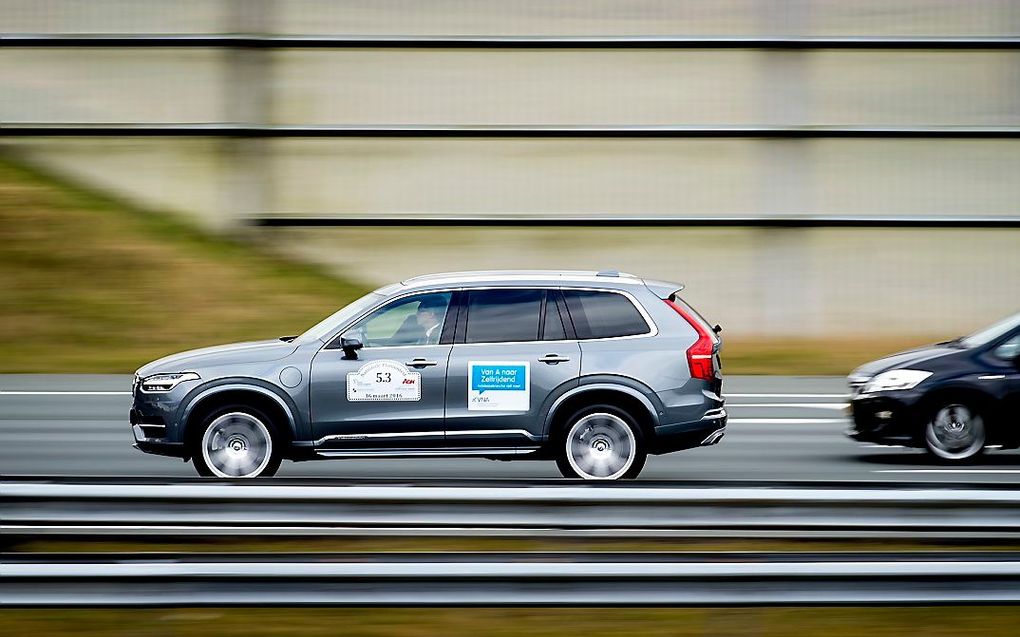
(503, 316)
(603, 314)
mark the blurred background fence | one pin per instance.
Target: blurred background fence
(840, 170)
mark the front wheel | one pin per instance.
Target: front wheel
(237, 442)
(601, 443)
(955, 433)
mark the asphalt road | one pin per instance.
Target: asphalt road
(781, 428)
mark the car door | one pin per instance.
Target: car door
(511, 358)
(393, 393)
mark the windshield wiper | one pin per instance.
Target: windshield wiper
(287, 339)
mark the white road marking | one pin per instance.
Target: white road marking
(873, 446)
(790, 405)
(5, 392)
(947, 471)
(786, 396)
(786, 421)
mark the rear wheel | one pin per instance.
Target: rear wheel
(237, 442)
(601, 443)
(955, 432)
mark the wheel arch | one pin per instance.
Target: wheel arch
(982, 400)
(209, 399)
(624, 397)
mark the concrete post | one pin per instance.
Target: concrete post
(248, 100)
(786, 302)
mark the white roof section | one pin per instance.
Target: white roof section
(530, 276)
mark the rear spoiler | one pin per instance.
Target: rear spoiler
(664, 290)
(670, 292)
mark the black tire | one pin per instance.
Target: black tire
(248, 430)
(614, 428)
(955, 431)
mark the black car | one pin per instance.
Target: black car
(953, 399)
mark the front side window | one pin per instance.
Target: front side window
(1009, 350)
(503, 316)
(412, 320)
(603, 314)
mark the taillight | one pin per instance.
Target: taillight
(699, 355)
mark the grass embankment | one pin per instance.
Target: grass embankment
(944, 621)
(91, 284)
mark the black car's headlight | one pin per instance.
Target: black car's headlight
(158, 383)
(895, 379)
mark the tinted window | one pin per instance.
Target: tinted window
(413, 320)
(603, 314)
(1009, 350)
(502, 316)
(553, 323)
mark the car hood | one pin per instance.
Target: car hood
(235, 353)
(908, 359)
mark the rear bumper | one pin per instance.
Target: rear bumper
(707, 431)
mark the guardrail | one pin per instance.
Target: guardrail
(509, 579)
(339, 41)
(211, 509)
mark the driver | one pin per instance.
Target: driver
(430, 319)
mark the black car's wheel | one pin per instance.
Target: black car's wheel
(237, 442)
(601, 442)
(955, 432)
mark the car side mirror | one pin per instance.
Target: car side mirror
(351, 347)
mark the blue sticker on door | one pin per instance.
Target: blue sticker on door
(499, 386)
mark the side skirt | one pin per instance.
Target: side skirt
(425, 453)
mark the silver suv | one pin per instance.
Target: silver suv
(592, 370)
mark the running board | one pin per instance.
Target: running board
(422, 453)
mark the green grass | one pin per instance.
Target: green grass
(91, 284)
(942, 621)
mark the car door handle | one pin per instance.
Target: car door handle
(421, 362)
(552, 359)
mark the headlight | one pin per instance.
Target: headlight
(895, 379)
(166, 382)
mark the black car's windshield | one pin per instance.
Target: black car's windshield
(992, 332)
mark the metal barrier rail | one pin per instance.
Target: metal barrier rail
(195, 509)
(461, 580)
(639, 221)
(72, 129)
(212, 40)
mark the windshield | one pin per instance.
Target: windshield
(992, 332)
(325, 327)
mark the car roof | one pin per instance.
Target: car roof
(608, 278)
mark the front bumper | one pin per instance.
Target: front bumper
(150, 433)
(888, 418)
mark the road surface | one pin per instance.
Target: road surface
(781, 428)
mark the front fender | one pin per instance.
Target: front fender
(295, 421)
